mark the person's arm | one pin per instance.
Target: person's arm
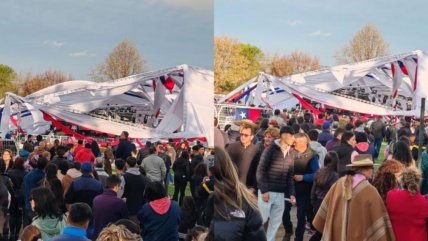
(313, 196)
(261, 173)
(315, 166)
(290, 181)
(163, 170)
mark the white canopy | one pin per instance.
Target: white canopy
(398, 78)
(184, 94)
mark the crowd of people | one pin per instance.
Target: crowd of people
(55, 191)
(325, 166)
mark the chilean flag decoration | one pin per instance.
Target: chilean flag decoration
(247, 113)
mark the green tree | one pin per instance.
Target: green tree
(235, 63)
(7, 76)
(367, 43)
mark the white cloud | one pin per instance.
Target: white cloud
(82, 54)
(78, 54)
(294, 22)
(320, 33)
(53, 43)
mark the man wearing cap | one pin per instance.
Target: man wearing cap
(84, 188)
(325, 135)
(353, 209)
(275, 180)
(243, 152)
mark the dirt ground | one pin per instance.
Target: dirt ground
(281, 231)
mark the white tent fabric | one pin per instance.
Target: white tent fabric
(190, 106)
(371, 75)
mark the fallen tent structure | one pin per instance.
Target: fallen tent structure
(182, 96)
(391, 85)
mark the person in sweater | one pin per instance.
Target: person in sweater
(306, 164)
(407, 208)
(345, 214)
(159, 214)
(107, 207)
(363, 146)
(275, 180)
(31, 181)
(78, 219)
(135, 184)
(79, 147)
(243, 152)
(323, 180)
(154, 166)
(85, 155)
(48, 217)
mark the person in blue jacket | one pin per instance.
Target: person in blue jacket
(78, 219)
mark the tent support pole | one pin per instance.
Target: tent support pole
(421, 132)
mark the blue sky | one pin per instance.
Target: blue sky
(320, 28)
(76, 35)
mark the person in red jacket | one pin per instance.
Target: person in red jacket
(407, 208)
(85, 155)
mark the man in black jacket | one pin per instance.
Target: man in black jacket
(378, 129)
(275, 180)
(125, 147)
(135, 185)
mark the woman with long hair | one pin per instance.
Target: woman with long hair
(49, 218)
(52, 182)
(323, 181)
(386, 177)
(7, 159)
(235, 214)
(181, 176)
(407, 208)
(95, 148)
(403, 154)
(16, 175)
(344, 150)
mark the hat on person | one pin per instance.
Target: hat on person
(245, 122)
(86, 167)
(326, 125)
(362, 160)
(286, 129)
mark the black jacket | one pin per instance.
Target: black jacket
(181, 169)
(135, 184)
(242, 225)
(123, 149)
(275, 172)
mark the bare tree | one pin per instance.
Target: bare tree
(296, 62)
(367, 43)
(125, 60)
(30, 83)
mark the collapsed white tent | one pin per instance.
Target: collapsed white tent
(397, 77)
(182, 94)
